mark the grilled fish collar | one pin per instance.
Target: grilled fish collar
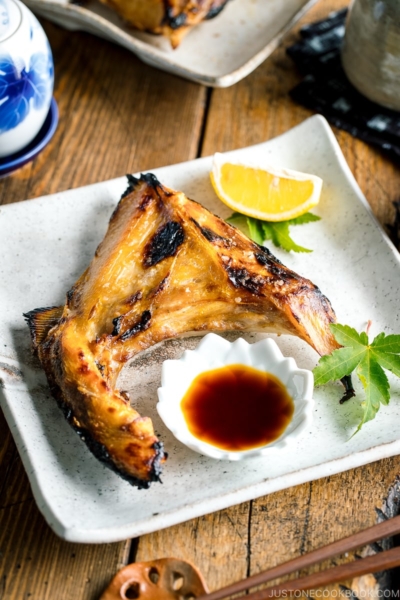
(166, 267)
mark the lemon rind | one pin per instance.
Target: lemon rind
(312, 201)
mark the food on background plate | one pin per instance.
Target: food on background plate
(166, 267)
(172, 18)
(265, 193)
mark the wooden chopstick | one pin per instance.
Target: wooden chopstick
(356, 568)
(367, 536)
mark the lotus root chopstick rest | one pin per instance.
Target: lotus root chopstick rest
(163, 579)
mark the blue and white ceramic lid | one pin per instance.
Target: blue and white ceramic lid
(10, 18)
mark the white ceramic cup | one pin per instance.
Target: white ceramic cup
(26, 77)
(371, 50)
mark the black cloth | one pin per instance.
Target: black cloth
(326, 89)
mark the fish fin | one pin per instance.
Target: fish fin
(40, 321)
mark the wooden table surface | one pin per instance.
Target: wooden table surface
(118, 115)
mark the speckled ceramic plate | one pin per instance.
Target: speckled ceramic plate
(218, 52)
(46, 243)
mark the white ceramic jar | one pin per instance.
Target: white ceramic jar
(26, 77)
(371, 50)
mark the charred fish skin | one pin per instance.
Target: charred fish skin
(171, 18)
(165, 268)
(40, 321)
(216, 7)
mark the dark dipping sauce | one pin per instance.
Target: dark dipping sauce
(237, 407)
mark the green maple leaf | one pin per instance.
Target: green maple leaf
(368, 360)
(278, 232)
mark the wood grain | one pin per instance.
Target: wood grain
(34, 562)
(210, 542)
(118, 115)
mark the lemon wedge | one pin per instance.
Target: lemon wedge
(265, 193)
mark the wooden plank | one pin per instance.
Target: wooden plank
(296, 520)
(218, 544)
(306, 517)
(117, 116)
(34, 562)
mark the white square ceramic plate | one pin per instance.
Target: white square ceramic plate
(46, 243)
(218, 52)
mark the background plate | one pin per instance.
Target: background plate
(46, 243)
(217, 53)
